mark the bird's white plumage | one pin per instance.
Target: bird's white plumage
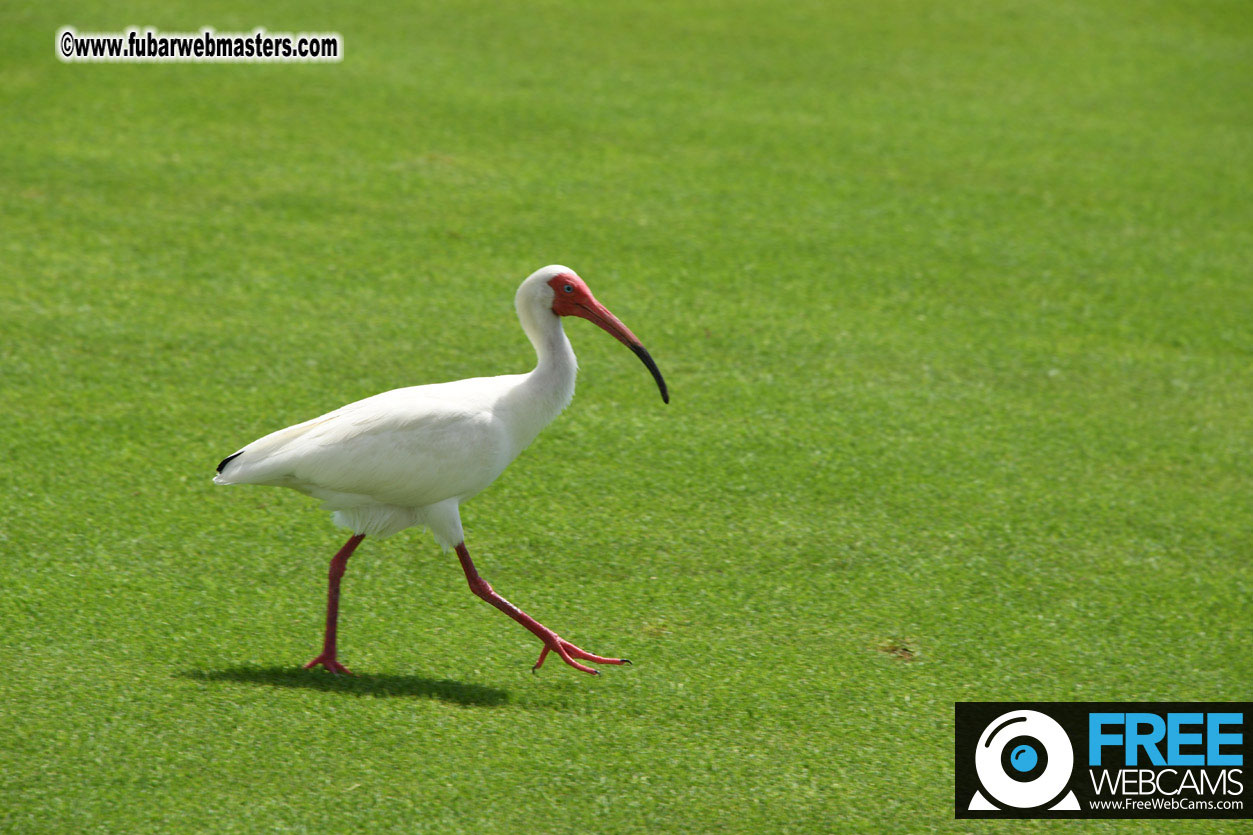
(411, 456)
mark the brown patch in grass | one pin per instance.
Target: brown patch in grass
(903, 649)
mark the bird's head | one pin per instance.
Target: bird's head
(562, 291)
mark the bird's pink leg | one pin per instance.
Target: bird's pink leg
(552, 641)
(339, 564)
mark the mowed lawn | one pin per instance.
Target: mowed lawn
(954, 302)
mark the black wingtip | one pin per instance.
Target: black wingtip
(228, 459)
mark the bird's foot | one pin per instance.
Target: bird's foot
(328, 661)
(569, 652)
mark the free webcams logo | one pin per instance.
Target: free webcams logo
(1101, 760)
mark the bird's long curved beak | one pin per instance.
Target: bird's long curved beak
(598, 314)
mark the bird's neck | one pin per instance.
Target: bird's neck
(551, 383)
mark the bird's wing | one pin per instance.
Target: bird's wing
(409, 447)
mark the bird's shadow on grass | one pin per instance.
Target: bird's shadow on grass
(456, 692)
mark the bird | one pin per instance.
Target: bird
(411, 456)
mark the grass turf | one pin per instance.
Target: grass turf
(954, 305)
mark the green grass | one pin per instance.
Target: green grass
(954, 302)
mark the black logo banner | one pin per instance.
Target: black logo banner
(1102, 759)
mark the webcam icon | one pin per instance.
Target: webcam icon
(1024, 760)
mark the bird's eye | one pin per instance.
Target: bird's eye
(569, 288)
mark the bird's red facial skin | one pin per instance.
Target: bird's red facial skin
(567, 302)
(579, 301)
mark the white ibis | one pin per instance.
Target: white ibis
(411, 456)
